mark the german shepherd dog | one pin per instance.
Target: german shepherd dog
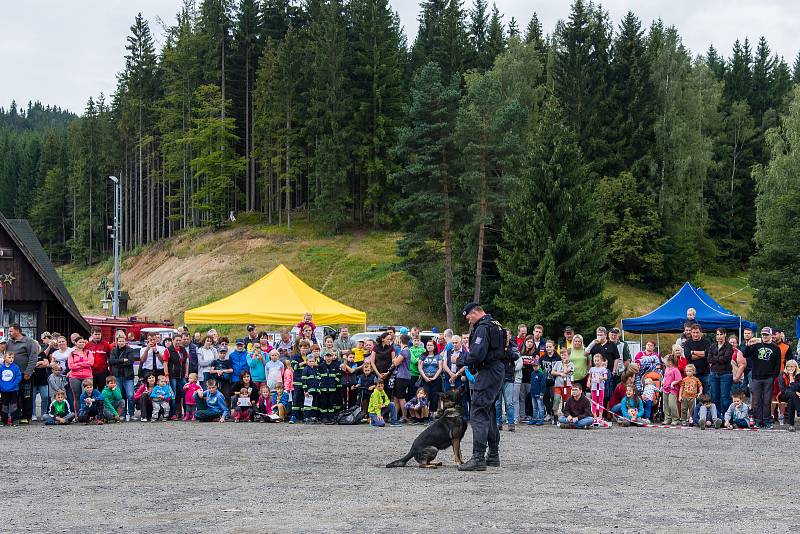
(447, 430)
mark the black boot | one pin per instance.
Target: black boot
(493, 459)
(476, 463)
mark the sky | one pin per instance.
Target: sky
(61, 53)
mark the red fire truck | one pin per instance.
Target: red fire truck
(131, 326)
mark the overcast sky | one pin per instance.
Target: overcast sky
(63, 52)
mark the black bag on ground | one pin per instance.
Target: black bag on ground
(350, 416)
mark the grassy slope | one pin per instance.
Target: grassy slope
(360, 269)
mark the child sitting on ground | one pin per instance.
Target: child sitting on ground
(632, 407)
(691, 388)
(59, 412)
(738, 412)
(708, 411)
(91, 400)
(211, 405)
(189, 389)
(263, 411)
(281, 402)
(417, 407)
(161, 396)
(142, 396)
(244, 407)
(380, 407)
(113, 402)
(10, 378)
(648, 396)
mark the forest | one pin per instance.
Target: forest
(523, 169)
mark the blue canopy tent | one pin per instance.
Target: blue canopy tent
(670, 316)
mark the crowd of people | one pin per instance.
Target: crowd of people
(398, 377)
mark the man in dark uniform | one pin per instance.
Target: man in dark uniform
(486, 362)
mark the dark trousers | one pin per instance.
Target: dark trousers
(145, 406)
(792, 407)
(328, 404)
(548, 397)
(25, 402)
(761, 390)
(297, 402)
(432, 389)
(9, 403)
(482, 415)
(93, 411)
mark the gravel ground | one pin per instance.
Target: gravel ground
(188, 477)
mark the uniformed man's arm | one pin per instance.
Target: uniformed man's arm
(478, 347)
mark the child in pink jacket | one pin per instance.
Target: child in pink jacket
(671, 386)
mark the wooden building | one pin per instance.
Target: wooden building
(33, 294)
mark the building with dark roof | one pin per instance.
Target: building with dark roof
(33, 293)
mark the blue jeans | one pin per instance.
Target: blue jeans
(44, 396)
(705, 381)
(390, 410)
(617, 409)
(741, 423)
(648, 409)
(506, 396)
(126, 385)
(177, 386)
(719, 385)
(537, 405)
(586, 422)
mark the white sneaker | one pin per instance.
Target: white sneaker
(127, 418)
(143, 420)
(34, 419)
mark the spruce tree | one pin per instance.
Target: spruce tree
(774, 274)
(552, 260)
(427, 151)
(495, 36)
(216, 164)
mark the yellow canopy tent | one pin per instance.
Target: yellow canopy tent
(279, 298)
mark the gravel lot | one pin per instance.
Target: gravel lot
(188, 477)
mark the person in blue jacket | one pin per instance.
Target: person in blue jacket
(238, 360)
(211, 405)
(10, 378)
(538, 386)
(632, 408)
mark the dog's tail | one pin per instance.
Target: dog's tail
(401, 462)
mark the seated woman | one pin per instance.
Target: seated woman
(577, 410)
(626, 380)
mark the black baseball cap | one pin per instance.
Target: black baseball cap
(240, 341)
(251, 327)
(468, 308)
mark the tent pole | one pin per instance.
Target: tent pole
(658, 343)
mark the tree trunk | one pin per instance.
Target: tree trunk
(481, 233)
(447, 235)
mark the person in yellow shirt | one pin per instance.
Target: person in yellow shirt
(380, 407)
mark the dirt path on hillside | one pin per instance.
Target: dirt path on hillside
(352, 248)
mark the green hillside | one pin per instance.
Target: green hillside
(359, 268)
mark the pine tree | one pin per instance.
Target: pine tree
(552, 261)
(478, 25)
(774, 273)
(442, 37)
(513, 29)
(796, 69)
(275, 16)
(739, 76)
(760, 98)
(427, 151)
(716, 63)
(535, 38)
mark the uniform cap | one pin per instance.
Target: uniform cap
(468, 308)
(766, 330)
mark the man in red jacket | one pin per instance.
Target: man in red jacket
(101, 350)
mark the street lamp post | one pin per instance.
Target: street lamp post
(117, 241)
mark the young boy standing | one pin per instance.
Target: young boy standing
(311, 389)
(691, 388)
(10, 378)
(538, 388)
(329, 384)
